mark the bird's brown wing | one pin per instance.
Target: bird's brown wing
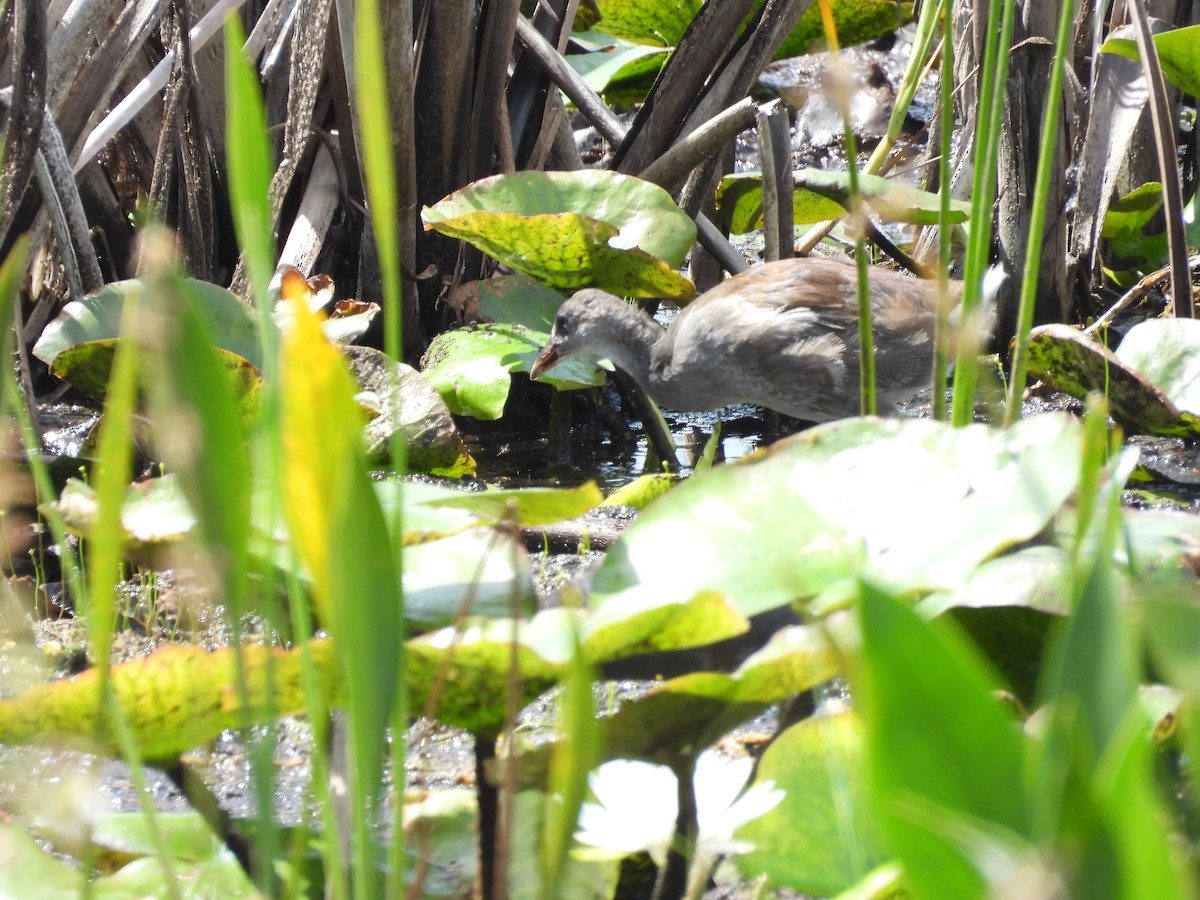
(789, 333)
(784, 355)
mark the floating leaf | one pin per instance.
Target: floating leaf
(856, 21)
(527, 507)
(693, 710)
(663, 23)
(619, 67)
(639, 492)
(201, 866)
(1138, 238)
(740, 204)
(474, 660)
(479, 573)
(155, 515)
(1078, 364)
(826, 195)
(573, 229)
(80, 343)
(172, 700)
(476, 657)
(512, 299)
(797, 523)
(658, 23)
(470, 367)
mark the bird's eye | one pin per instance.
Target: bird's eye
(560, 325)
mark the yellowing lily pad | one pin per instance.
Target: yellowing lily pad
(174, 699)
(1152, 383)
(575, 229)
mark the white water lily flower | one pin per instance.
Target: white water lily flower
(636, 806)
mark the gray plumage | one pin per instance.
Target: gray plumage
(783, 335)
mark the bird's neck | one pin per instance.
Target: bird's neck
(631, 348)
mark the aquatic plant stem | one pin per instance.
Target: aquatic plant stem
(983, 192)
(858, 218)
(1038, 214)
(941, 352)
(379, 175)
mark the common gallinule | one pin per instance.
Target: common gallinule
(783, 335)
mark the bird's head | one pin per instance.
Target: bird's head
(584, 324)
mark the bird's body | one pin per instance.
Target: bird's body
(783, 335)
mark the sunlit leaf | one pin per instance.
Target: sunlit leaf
(79, 344)
(573, 229)
(822, 838)
(821, 195)
(471, 367)
(946, 758)
(1178, 53)
(1078, 364)
(797, 523)
(174, 699)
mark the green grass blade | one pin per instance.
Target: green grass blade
(983, 191)
(941, 361)
(858, 221)
(248, 159)
(1038, 212)
(379, 174)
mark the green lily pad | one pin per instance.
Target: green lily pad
(1128, 215)
(856, 21)
(693, 710)
(639, 492)
(512, 299)
(470, 367)
(174, 699)
(457, 555)
(826, 195)
(659, 23)
(1138, 240)
(574, 229)
(30, 871)
(662, 24)
(79, 344)
(823, 838)
(618, 66)
(1178, 53)
(1033, 577)
(740, 204)
(527, 507)
(478, 572)
(915, 504)
(1167, 353)
(155, 515)
(1078, 364)
(477, 656)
